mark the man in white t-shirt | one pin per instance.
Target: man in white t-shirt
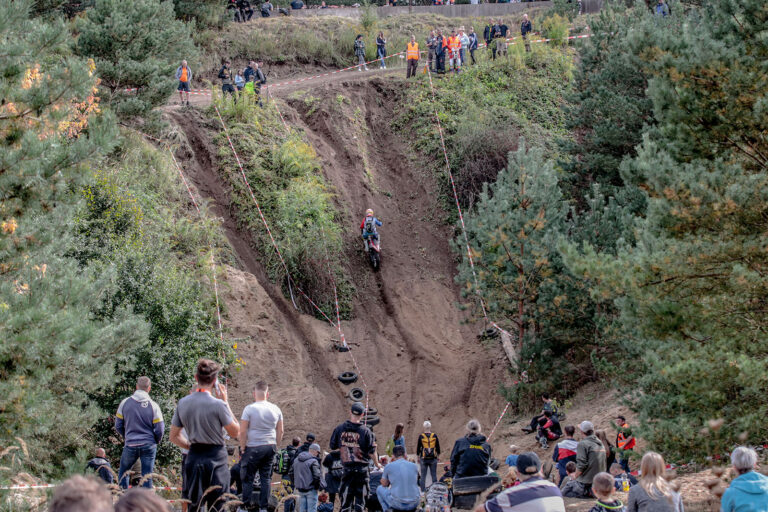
(261, 430)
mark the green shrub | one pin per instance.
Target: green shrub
(556, 29)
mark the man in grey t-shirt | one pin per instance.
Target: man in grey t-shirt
(261, 430)
(203, 415)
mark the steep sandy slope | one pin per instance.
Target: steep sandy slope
(418, 356)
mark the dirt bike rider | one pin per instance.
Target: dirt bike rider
(368, 227)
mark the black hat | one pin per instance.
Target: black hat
(311, 437)
(357, 408)
(528, 463)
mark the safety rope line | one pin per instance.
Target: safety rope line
(493, 430)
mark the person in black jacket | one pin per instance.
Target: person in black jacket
(227, 83)
(101, 466)
(246, 11)
(332, 462)
(357, 445)
(488, 37)
(471, 454)
(307, 477)
(525, 29)
(440, 49)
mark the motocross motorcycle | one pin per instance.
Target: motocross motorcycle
(373, 248)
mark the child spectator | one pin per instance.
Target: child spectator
(239, 81)
(603, 488)
(323, 504)
(510, 479)
(511, 459)
(619, 475)
(570, 470)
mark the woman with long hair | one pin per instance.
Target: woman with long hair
(398, 439)
(381, 49)
(653, 493)
(610, 453)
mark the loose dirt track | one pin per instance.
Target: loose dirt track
(418, 356)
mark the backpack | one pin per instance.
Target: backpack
(369, 227)
(283, 462)
(428, 445)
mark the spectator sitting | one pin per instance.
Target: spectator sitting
(533, 492)
(447, 475)
(81, 494)
(101, 466)
(570, 477)
(141, 500)
(654, 493)
(604, 490)
(399, 486)
(749, 490)
(511, 459)
(565, 451)
(549, 429)
(610, 452)
(323, 504)
(471, 454)
(322, 5)
(266, 9)
(548, 405)
(510, 479)
(297, 4)
(619, 475)
(590, 459)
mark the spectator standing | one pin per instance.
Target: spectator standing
(139, 421)
(471, 454)
(227, 83)
(605, 491)
(266, 9)
(590, 458)
(334, 471)
(748, 492)
(101, 466)
(309, 440)
(239, 81)
(141, 500)
(261, 430)
(440, 47)
(399, 487)
(360, 52)
(428, 451)
(511, 459)
(501, 38)
(472, 44)
(81, 494)
(525, 29)
(625, 442)
(610, 453)
(381, 49)
(533, 493)
(307, 478)
(205, 415)
(356, 444)
(397, 439)
(184, 76)
(431, 42)
(565, 451)
(412, 57)
(464, 39)
(662, 9)
(488, 37)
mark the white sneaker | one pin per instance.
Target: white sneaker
(360, 69)
(366, 68)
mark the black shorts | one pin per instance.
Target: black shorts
(228, 88)
(183, 86)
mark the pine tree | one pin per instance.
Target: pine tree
(54, 353)
(692, 291)
(137, 46)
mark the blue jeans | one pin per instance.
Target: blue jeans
(308, 501)
(388, 503)
(130, 455)
(382, 54)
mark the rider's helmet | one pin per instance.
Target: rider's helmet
(369, 213)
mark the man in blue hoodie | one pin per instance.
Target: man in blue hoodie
(749, 491)
(139, 421)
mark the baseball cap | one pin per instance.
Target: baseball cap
(311, 437)
(528, 463)
(357, 408)
(314, 447)
(586, 426)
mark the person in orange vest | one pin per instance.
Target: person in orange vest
(625, 442)
(412, 57)
(454, 47)
(184, 76)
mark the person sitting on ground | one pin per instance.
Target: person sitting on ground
(569, 479)
(447, 475)
(619, 476)
(565, 451)
(549, 429)
(101, 466)
(511, 478)
(368, 226)
(246, 11)
(548, 406)
(323, 505)
(602, 486)
(141, 500)
(81, 494)
(511, 459)
(749, 490)
(472, 453)
(297, 4)
(534, 492)
(307, 478)
(590, 459)
(399, 486)
(266, 9)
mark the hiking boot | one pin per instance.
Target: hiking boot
(527, 430)
(543, 442)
